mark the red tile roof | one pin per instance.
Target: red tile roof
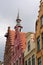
(22, 38)
(11, 36)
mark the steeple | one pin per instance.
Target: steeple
(18, 25)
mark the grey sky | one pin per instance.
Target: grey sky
(8, 13)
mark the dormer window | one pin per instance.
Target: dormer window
(42, 20)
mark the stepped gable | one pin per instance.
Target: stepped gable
(22, 38)
(12, 36)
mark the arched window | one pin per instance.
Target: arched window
(38, 43)
(42, 40)
(42, 20)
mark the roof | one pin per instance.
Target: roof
(12, 36)
(29, 33)
(22, 38)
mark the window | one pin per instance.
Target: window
(13, 53)
(22, 61)
(28, 45)
(42, 20)
(17, 62)
(39, 61)
(26, 62)
(18, 47)
(36, 25)
(33, 60)
(14, 63)
(38, 43)
(29, 61)
(42, 40)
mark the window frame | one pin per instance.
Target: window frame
(29, 61)
(17, 62)
(33, 59)
(41, 21)
(39, 61)
(20, 60)
(26, 62)
(42, 38)
(14, 63)
(38, 43)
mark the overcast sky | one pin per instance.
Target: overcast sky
(28, 10)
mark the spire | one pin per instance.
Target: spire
(18, 25)
(18, 15)
(18, 19)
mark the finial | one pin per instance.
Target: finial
(18, 14)
(18, 17)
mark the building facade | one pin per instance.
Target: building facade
(15, 45)
(39, 36)
(9, 46)
(25, 48)
(30, 52)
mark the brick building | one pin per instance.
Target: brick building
(15, 45)
(39, 36)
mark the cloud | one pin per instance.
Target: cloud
(8, 13)
(2, 47)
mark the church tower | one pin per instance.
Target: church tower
(18, 25)
(15, 45)
(39, 35)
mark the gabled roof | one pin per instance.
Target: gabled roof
(22, 38)
(12, 36)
